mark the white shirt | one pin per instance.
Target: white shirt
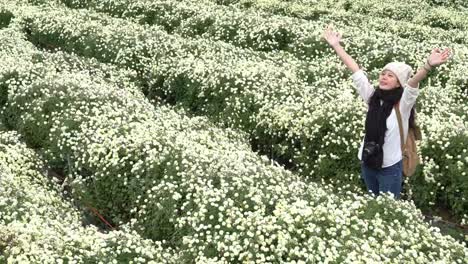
(392, 142)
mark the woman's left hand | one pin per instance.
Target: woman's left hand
(439, 57)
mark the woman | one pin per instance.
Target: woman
(380, 151)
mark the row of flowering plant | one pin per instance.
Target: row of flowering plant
(261, 30)
(284, 112)
(39, 225)
(416, 12)
(197, 189)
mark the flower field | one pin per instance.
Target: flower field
(220, 132)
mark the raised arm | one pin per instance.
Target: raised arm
(333, 39)
(435, 59)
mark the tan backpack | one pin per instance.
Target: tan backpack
(408, 147)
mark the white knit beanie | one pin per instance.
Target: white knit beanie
(401, 70)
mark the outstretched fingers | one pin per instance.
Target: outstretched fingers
(438, 56)
(446, 54)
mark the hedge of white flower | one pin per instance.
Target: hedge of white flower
(39, 225)
(447, 15)
(198, 190)
(295, 128)
(259, 30)
(417, 12)
(457, 4)
(231, 97)
(291, 125)
(443, 117)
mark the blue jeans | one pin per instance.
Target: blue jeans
(387, 179)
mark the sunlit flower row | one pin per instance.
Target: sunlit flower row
(292, 124)
(39, 225)
(413, 11)
(260, 30)
(197, 189)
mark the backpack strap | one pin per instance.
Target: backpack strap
(400, 125)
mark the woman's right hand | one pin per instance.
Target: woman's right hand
(333, 38)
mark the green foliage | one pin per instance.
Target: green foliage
(5, 18)
(204, 78)
(193, 187)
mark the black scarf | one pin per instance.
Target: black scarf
(376, 121)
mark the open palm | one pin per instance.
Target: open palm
(333, 38)
(439, 57)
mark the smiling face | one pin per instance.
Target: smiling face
(388, 80)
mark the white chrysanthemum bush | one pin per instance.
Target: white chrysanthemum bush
(251, 28)
(191, 187)
(39, 225)
(417, 12)
(443, 149)
(279, 102)
(233, 98)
